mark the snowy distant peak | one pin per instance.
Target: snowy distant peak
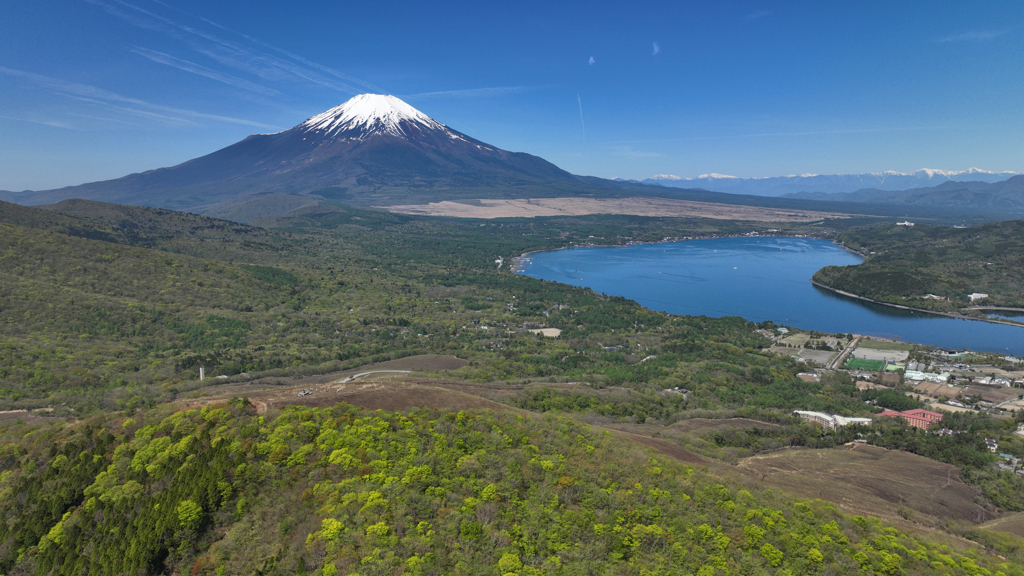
(672, 177)
(371, 114)
(931, 173)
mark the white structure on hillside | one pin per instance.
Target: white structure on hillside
(830, 421)
(907, 223)
(929, 376)
(977, 296)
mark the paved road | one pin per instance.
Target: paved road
(361, 374)
(837, 362)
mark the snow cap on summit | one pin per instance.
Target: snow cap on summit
(370, 114)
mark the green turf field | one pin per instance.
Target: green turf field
(884, 345)
(862, 364)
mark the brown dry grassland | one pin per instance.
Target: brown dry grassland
(635, 206)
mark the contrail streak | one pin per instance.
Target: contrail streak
(580, 102)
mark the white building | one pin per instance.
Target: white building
(830, 421)
(977, 296)
(930, 377)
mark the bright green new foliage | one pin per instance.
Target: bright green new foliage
(222, 490)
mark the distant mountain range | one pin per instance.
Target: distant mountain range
(829, 184)
(1005, 195)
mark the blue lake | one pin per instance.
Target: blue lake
(758, 279)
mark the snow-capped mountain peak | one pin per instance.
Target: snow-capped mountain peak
(673, 177)
(371, 114)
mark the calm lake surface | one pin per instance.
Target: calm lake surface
(758, 279)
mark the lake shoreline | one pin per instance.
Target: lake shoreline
(517, 265)
(922, 310)
(774, 299)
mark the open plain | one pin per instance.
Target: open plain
(635, 206)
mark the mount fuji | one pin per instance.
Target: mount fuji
(373, 149)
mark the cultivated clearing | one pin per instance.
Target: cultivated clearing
(889, 484)
(1010, 523)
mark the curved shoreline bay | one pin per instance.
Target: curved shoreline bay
(765, 278)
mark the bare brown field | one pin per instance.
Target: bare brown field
(670, 449)
(635, 206)
(992, 393)
(1009, 523)
(388, 391)
(677, 433)
(888, 484)
(705, 424)
(422, 363)
(11, 416)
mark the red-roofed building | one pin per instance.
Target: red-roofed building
(918, 418)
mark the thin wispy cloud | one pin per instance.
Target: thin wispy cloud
(106, 119)
(136, 112)
(185, 65)
(315, 65)
(580, 102)
(974, 36)
(51, 123)
(657, 49)
(476, 92)
(87, 93)
(235, 55)
(591, 61)
(757, 15)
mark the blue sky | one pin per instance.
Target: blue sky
(96, 89)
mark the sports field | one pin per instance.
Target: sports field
(862, 364)
(885, 345)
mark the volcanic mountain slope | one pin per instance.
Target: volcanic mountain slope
(370, 149)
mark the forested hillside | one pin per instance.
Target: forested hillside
(123, 304)
(335, 491)
(904, 264)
